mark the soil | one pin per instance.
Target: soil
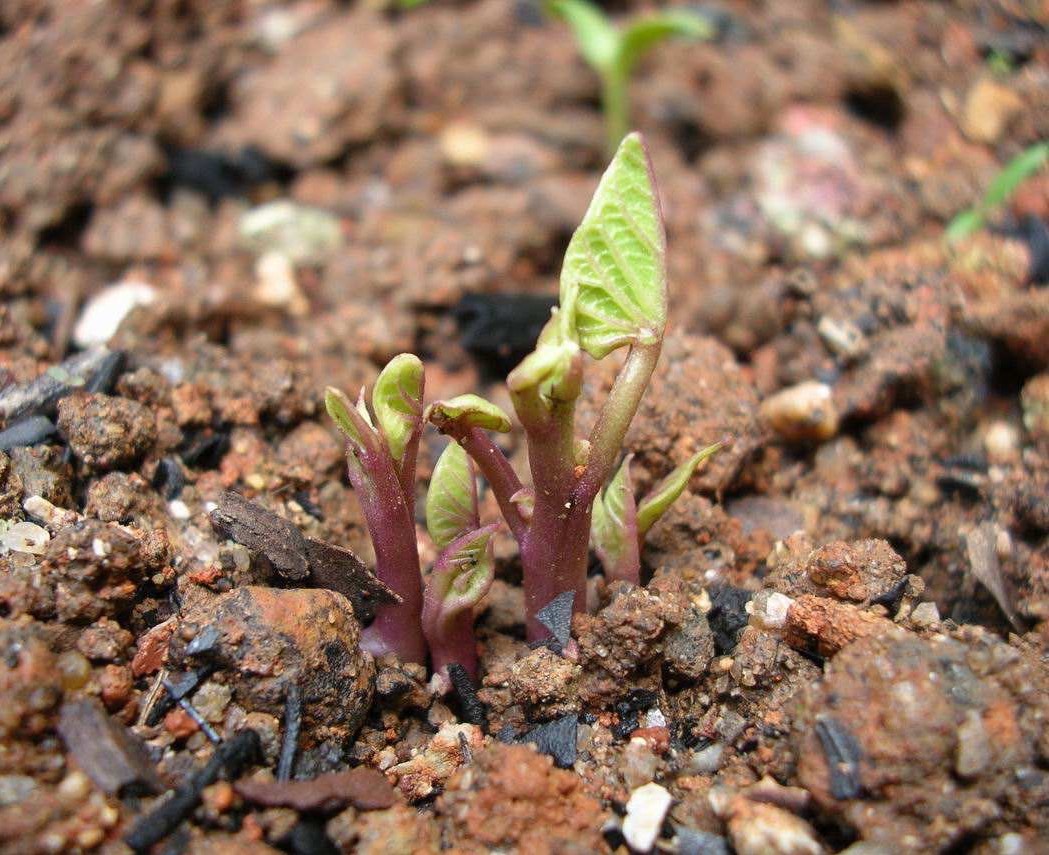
(210, 211)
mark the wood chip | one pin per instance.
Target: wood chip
(107, 752)
(365, 789)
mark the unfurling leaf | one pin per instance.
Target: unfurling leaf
(451, 501)
(656, 503)
(348, 418)
(468, 411)
(614, 271)
(613, 528)
(556, 365)
(397, 400)
(461, 575)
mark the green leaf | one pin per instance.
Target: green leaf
(596, 36)
(348, 418)
(615, 267)
(613, 527)
(1025, 164)
(645, 33)
(656, 503)
(555, 366)
(451, 501)
(468, 411)
(462, 574)
(397, 400)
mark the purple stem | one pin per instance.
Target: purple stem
(453, 642)
(391, 525)
(497, 471)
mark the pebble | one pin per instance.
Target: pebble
(211, 701)
(645, 811)
(974, 752)
(989, 107)
(276, 285)
(801, 413)
(102, 315)
(25, 537)
(769, 609)
(302, 234)
(925, 615)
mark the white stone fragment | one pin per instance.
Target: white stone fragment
(102, 315)
(50, 515)
(655, 718)
(25, 537)
(178, 509)
(645, 811)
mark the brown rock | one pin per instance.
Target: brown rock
(989, 107)
(109, 754)
(105, 641)
(512, 798)
(264, 639)
(546, 684)
(30, 681)
(826, 626)
(106, 432)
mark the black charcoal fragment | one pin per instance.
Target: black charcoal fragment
(692, 842)
(843, 757)
(727, 616)
(28, 431)
(105, 377)
(556, 738)
(556, 616)
(472, 709)
(169, 479)
(40, 396)
(292, 724)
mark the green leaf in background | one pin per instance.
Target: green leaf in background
(397, 400)
(1021, 167)
(451, 501)
(656, 503)
(615, 265)
(469, 411)
(613, 528)
(644, 34)
(597, 38)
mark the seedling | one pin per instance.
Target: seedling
(382, 446)
(613, 52)
(613, 295)
(1016, 171)
(620, 523)
(464, 568)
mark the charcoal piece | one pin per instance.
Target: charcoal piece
(556, 738)
(292, 724)
(264, 532)
(28, 431)
(556, 616)
(105, 376)
(40, 396)
(499, 330)
(204, 641)
(1036, 234)
(107, 752)
(727, 616)
(169, 479)
(693, 842)
(181, 683)
(843, 757)
(206, 450)
(364, 788)
(892, 598)
(219, 174)
(472, 708)
(232, 757)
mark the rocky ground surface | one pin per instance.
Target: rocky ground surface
(209, 211)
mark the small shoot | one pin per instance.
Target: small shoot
(1005, 183)
(620, 523)
(613, 295)
(382, 444)
(464, 569)
(613, 51)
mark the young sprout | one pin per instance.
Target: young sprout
(620, 523)
(463, 571)
(613, 295)
(613, 52)
(1025, 164)
(381, 448)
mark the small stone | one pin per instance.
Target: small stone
(15, 788)
(802, 413)
(843, 337)
(276, 285)
(211, 701)
(645, 811)
(25, 537)
(769, 610)
(974, 752)
(74, 670)
(639, 762)
(102, 315)
(303, 235)
(106, 432)
(989, 107)
(464, 144)
(925, 615)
